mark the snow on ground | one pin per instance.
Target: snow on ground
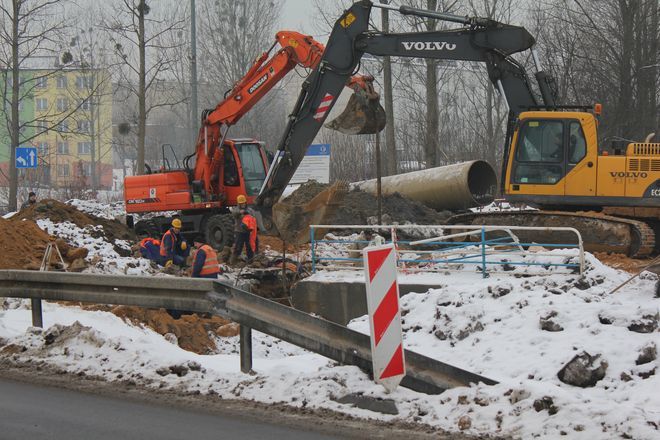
(488, 326)
(109, 211)
(501, 205)
(102, 254)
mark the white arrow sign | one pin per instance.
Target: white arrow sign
(32, 158)
(22, 161)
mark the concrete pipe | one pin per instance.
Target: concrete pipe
(452, 187)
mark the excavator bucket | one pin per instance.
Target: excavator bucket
(363, 115)
(292, 221)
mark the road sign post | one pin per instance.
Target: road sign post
(382, 287)
(26, 157)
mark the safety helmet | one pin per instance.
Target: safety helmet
(241, 199)
(176, 223)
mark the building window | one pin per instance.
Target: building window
(85, 168)
(41, 82)
(63, 148)
(63, 170)
(84, 126)
(84, 148)
(63, 127)
(85, 104)
(62, 104)
(41, 125)
(84, 82)
(42, 104)
(61, 82)
(42, 148)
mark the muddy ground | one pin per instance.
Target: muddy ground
(322, 421)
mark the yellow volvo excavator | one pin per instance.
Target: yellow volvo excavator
(553, 160)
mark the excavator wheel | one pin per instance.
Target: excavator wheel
(219, 231)
(363, 115)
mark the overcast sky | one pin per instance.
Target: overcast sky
(297, 14)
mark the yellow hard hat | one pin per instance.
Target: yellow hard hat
(241, 199)
(176, 223)
(184, 245)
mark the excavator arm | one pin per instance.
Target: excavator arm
(296, 49)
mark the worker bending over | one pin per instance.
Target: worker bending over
(173, 248)
(205, 261)
(150, 249)
(245, 231)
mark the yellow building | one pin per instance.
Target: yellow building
(73, 114)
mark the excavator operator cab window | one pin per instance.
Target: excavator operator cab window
(254, 170)
(577, 144)
(540, 152)
(230, 171)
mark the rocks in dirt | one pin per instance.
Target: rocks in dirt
(77, 254)
(179, 369)
(583, 370)
(645, 324)
(582, 283)
(548, 323)
(500, 290)
(77, 265)
(171, 338)
(464, 422)
(546, 403)
(648, 353)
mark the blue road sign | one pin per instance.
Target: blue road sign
(26, 157)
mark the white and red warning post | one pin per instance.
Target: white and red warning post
(380, 273)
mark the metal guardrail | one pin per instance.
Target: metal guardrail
(494, 246)
(326, 338)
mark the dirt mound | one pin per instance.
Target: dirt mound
(358, 206)
(193, 332)
(22, 242)
(622, 262)
(59, 212)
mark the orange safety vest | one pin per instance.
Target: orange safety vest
(144, 241)
(163, 250)
(251, 223)
(211, 263)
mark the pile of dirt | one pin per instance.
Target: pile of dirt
(22, 242)
(193, 332)
(622, 262)
(23, 246)
(59, 212)
(357, 207)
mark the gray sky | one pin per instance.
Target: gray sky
(297, 15)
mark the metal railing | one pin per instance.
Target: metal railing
(326, 338)
(481, 246)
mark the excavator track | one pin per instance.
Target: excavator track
(600, 232)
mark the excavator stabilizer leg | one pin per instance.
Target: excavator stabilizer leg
(363, 115)
(292, 221)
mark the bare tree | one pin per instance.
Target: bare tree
(232, 34)
(135, 27)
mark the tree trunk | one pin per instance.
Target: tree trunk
(624, 107)
(391, 162)
(432, 122)
(142, 90)
(15, 123)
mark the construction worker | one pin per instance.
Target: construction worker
(31, 200)
(245, 230)
(205, 261)
(173, 248)
(150, 249)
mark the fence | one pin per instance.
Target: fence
(497, 247)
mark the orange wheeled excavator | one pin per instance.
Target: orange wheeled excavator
(224, 168)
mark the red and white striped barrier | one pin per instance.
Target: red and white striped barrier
(384, 315)
(324, 106)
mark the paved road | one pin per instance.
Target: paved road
(39, 412)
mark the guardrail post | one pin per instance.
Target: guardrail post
(246, 348)
(483, 252)
(37, 317)
(311, 240)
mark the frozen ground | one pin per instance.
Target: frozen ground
(489, 326)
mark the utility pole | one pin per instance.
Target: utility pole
(193, 70)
